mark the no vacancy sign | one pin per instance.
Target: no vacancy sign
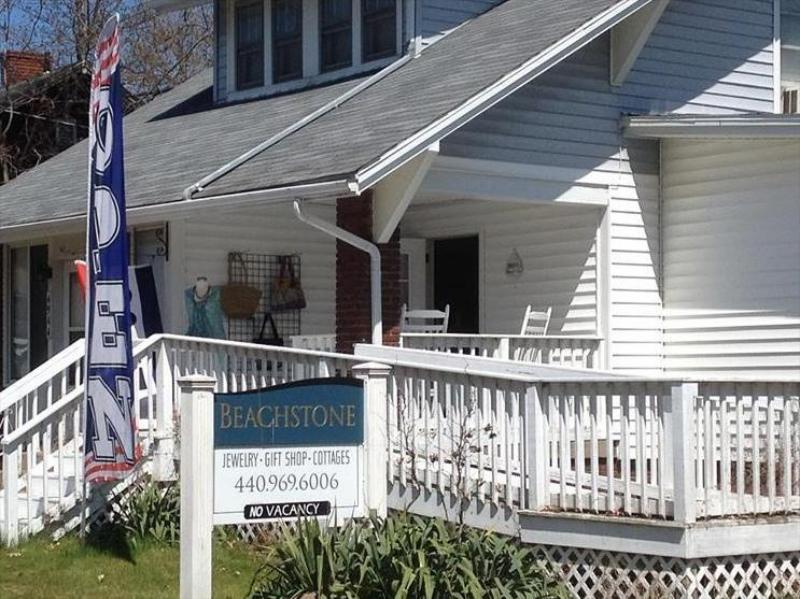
(289, 452)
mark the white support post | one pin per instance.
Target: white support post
(681, 435)
(376, 379)
(504, 349)
(164, 454)
(10, 500)
(535, 449)
(197, 485)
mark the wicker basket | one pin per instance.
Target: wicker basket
(239, 300)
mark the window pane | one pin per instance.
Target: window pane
(287, 40)
(379, 29)
(790, 40)
(250, 45)
(336, 34)
(20, 316)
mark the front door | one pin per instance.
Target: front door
(456, 281)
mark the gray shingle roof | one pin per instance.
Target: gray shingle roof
(179, 137)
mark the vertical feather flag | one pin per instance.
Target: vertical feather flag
(111, 450)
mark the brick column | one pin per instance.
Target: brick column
(353, 321)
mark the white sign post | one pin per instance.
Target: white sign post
(197, 485)
(307, 449)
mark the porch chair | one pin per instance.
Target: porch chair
(424, 321)
(535, 323)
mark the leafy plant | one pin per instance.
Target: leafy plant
(151, 512)
(403, 557)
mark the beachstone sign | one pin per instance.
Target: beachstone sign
(290, 451)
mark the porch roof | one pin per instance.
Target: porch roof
(181, 136)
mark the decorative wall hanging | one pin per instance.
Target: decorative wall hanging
(514, 265)
(204, 310)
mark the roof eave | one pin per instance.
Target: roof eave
(712, 127)
(142, 214)
(406, 150)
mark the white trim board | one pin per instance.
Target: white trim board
(146, 214)
(713, 127)
(661, 538)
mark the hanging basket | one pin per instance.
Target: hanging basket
(239, 300)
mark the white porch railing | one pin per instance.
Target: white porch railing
(42, 414)
(531, 438)
(556, 350)
(513, 435)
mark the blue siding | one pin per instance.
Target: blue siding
(439, 16)
(569, 117)
(708, 56)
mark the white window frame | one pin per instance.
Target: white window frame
(777, 70)
(69, 269)
(777, 52)
(311, 60)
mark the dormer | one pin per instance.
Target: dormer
(276, 46)
(268, 47)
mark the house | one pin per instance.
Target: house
(43, 110)
(632, 164)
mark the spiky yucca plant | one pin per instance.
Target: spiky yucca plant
(404, 557)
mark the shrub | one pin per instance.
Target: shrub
(403, 557)
(151, 512)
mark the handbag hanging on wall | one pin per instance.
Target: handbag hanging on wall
(239, 300)
(287, 292)
(275, 339)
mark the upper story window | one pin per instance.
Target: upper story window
(378, 29)
(790, 55)
(249, 33)
(335, 34)
(277, 46)
(287, 40)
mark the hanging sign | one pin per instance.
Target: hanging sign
(290, 451)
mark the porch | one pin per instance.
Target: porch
(593, 465)
(553, 246)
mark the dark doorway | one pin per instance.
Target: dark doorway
(455, 281)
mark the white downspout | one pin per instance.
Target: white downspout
(374, 260)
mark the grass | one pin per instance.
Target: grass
(70, 568)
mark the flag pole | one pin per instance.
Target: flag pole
(104, 181)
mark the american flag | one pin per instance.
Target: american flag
(111, 450)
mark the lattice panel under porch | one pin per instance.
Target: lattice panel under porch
(592, 574)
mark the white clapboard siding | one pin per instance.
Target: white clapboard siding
(708, 56)
(568, 121)
(267, 230)
(732, 257)
(557, 247)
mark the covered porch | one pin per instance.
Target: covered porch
(487, 253)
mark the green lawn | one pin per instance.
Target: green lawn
(41, 568)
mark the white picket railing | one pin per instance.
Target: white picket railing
(528, 437)
(42, 414)
(509, 434)
(556, 350)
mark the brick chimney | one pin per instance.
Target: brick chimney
(21, 66)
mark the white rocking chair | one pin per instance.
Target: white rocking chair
(424, 321)
(534, 323)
